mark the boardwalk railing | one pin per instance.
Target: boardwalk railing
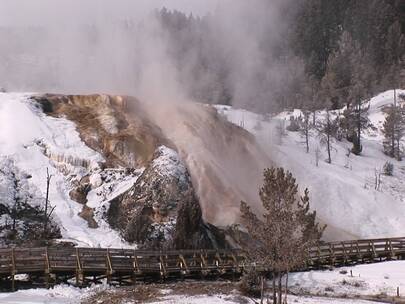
(82, 265)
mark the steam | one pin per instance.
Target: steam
(118, 47)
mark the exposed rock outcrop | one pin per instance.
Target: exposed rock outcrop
(114, 126)
(161, 209)
(220, 165)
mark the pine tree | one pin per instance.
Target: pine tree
(395, 50)
(288, 228)
(394, 131)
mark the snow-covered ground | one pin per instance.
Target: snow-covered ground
(35, 142)
(371, 280)
(61, 294)
(343, 192)
(228, 299)
(71, 295)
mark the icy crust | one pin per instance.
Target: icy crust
(343, 193)
(35, 142)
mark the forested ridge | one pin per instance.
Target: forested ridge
(325, 51)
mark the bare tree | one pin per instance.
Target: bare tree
(305, 129)
(326, 131)
(16, 202)
(47, 214)
(285, 232)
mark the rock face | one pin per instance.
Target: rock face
(161, 209)
(193, 166)
(111, 125)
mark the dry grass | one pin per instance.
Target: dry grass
(155, 292)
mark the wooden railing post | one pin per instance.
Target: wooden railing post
(183, 264)
(79, 270)
(162, 266)
(109, 267)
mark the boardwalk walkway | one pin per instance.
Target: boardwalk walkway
(126, 266)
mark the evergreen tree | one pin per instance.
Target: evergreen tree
(394, 131)
(395, 52)
(288, 228)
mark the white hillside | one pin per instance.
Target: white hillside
(33, 142)
(343, 192)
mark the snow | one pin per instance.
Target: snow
(343, 192)
(61, 294)
(111, 184)
(169, 164)
(372, 279)
(35, 142)
(227, 299)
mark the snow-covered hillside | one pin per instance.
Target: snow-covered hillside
(32, 142)
(343, 192)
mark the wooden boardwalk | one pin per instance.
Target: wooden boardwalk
(80, 266)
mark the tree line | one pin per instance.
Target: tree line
(336, 53)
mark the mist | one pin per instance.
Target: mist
(120, 47)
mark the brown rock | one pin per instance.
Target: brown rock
(87, 214)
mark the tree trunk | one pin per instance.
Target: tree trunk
(14, 215)
(307, 131)
(48, 181)
(398, 149)
(280, 289)
(328, 146)
(261, 289)
(286, 287)
(395, 97)
(314, 118)
(274, 290)
(359, 126)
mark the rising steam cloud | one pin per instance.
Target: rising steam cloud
(118, 47)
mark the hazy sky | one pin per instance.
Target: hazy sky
(21, 12)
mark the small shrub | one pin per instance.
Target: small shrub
(357, 284)
(388, 168)
(294, 125)
(329, 289)
(250, 284)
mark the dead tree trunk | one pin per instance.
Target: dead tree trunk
(47, 214)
